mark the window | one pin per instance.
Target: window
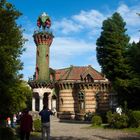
(88, 78)
(81, 102)
(37, 104)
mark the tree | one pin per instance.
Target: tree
(111, 49)
(11, 48)
(133, 56)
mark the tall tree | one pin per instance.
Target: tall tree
(111, 53)
(133, 57)
(11, 48)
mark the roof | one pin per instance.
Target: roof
(76, 72)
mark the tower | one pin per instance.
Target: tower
(41, 84)
(43, 39)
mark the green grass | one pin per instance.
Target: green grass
(36, 134)
(105, 126)
(134, 130)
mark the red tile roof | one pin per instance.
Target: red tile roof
(75, 73)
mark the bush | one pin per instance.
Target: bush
(6, 133)
(96, 120)
(134, 119)
(116, 120)
(37, 125)
(109, 117)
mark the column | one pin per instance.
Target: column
(49, 102)
(40, 103)
(33, 104)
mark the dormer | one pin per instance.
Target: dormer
(87, 75)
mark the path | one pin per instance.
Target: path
(74, 131)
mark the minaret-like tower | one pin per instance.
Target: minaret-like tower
(43, 39)
(41, 84)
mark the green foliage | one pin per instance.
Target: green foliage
(116, 120)
(120, 60)
(134, 119)
(111, 46)
(13, 94)
(6, 134)
(109, 116)
(19, 97)
(96, 120)
(133, 56)
(37, 125)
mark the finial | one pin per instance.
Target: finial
(44, 21)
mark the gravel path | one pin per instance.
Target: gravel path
(75, 131)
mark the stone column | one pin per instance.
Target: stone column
(40, 103)
(33, 104)
(49, 102)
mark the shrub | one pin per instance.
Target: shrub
(134, 119)
(116, 120)
(37, 125)
(6, 133)
(109, 116)
(96, 120)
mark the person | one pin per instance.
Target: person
(26, 124)
(8, 122)
(14, 120)
(119, 110)
(54, 111)
(45, 120)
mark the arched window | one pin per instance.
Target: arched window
(88, 78)
(45, 99)
(81, 101)
(36, 97)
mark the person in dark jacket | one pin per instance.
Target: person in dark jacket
(45, 120)
(26, 124)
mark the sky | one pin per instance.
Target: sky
(76, 25)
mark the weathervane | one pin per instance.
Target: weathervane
(44, 21)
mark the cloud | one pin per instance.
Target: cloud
(132, 20)
(135, 38)
(65, 50)
(66, 26)
(89, 19)
(129, 14)
(28, 57)
(29, 46)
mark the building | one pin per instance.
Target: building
(72, 91)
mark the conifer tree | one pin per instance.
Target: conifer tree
(111, 53)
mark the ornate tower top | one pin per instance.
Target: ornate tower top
(44, 21)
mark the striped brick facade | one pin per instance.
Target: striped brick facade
(96, 92)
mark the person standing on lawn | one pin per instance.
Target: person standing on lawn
(45, 114)
(26, 124)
